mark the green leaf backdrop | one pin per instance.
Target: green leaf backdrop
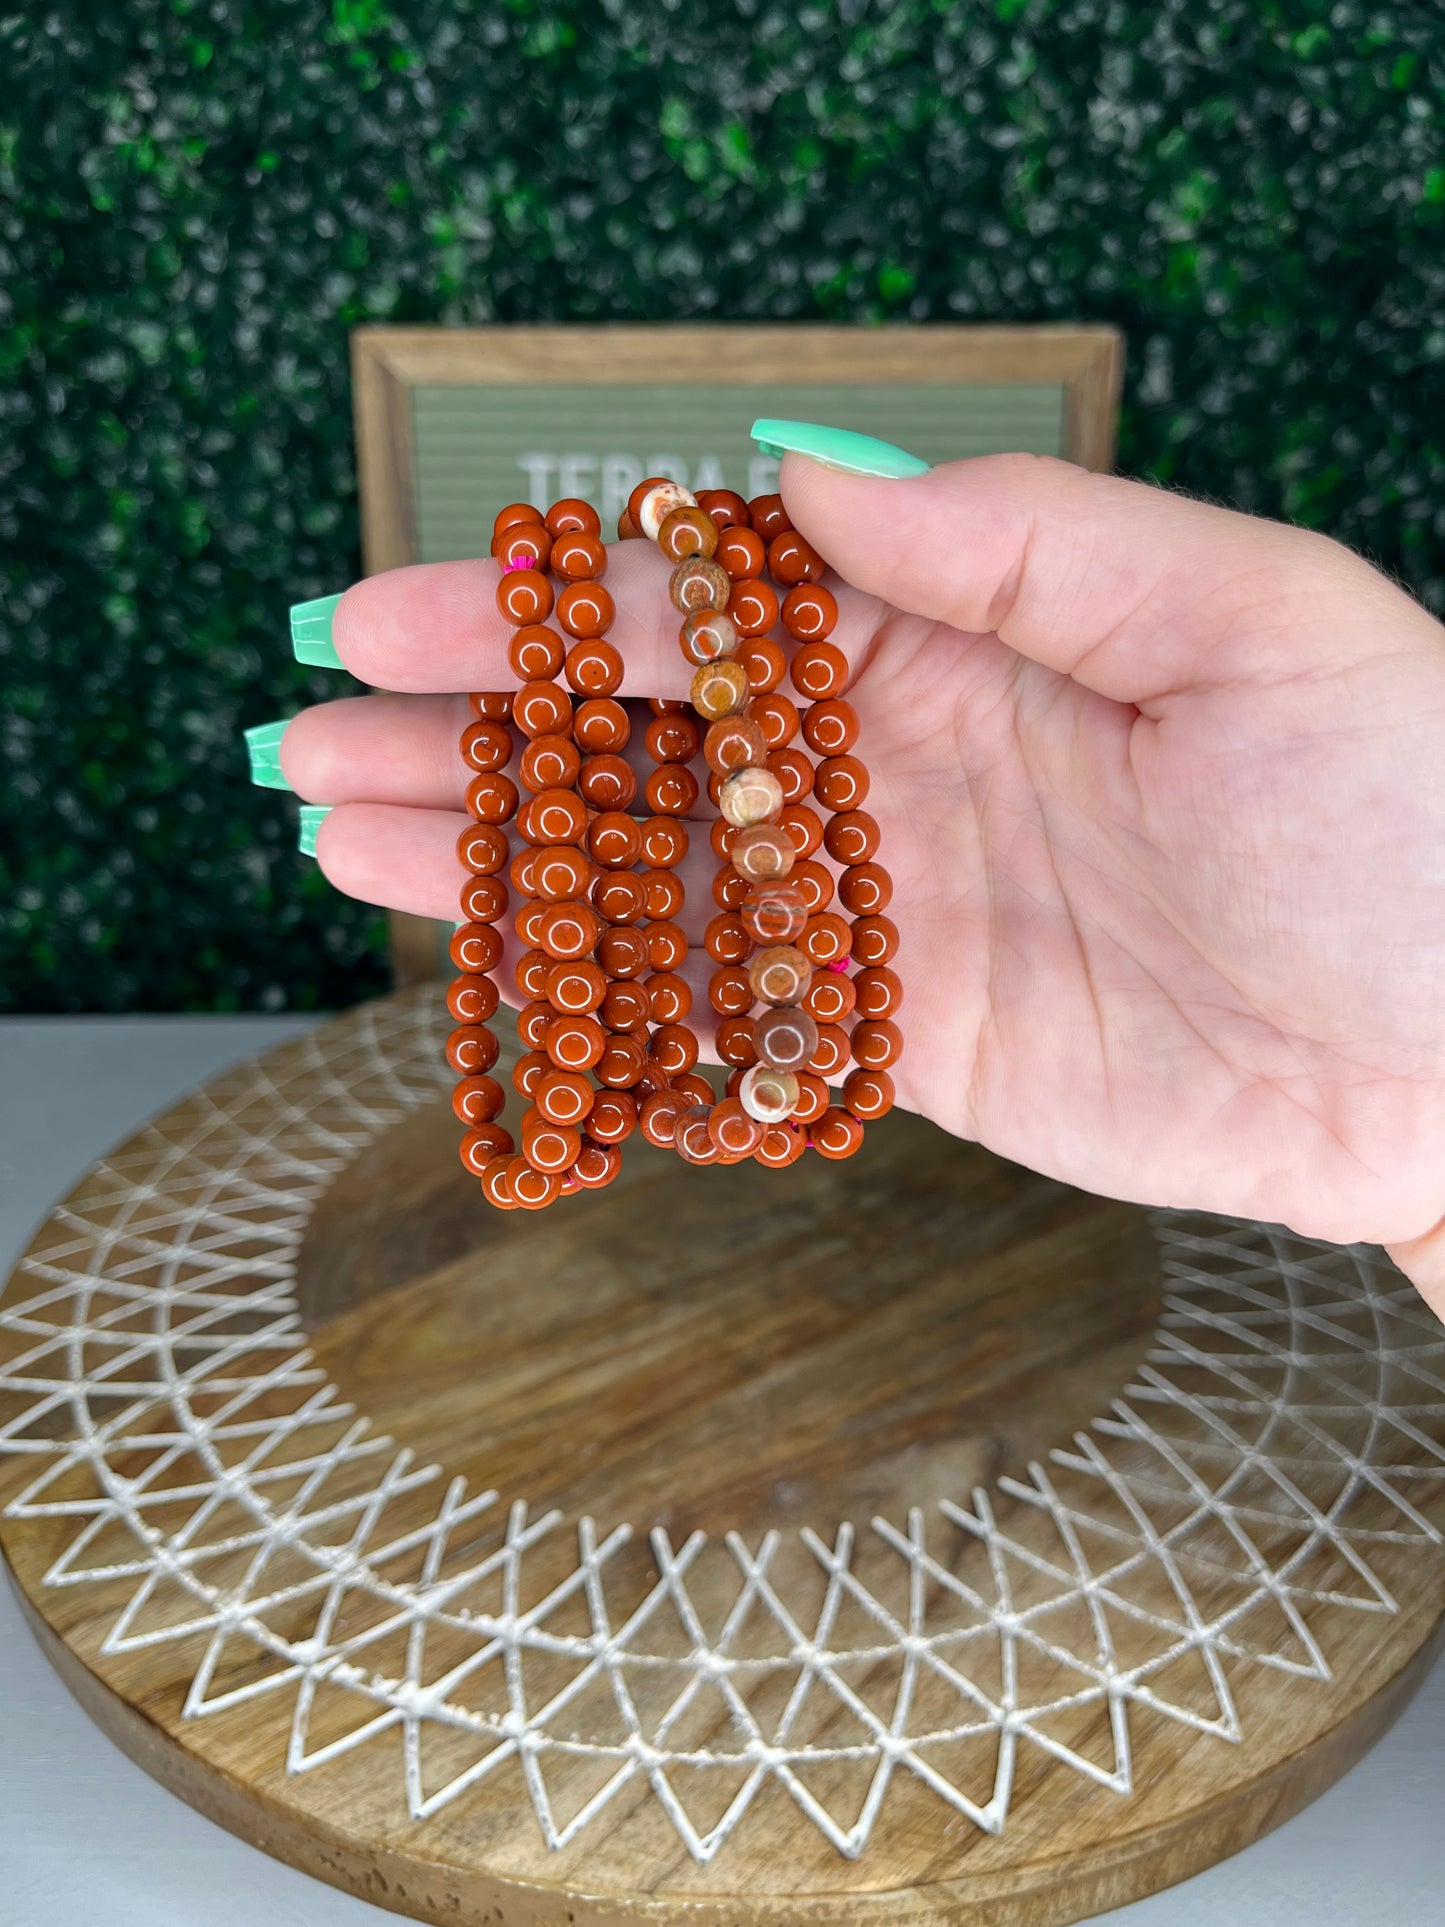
(198, 199)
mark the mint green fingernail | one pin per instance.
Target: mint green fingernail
(263, 746)
(311, 632)
(312, 817)
(836, 448)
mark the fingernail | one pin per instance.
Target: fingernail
(836, 448)
(311, 632)
(312, 817)
(263, 746)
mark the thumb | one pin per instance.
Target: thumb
(1132, 591)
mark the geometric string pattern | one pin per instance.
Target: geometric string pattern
(1281, 1443)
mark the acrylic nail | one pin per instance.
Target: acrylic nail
(838, 448)
(263, 746)
(312, 817)
(311, 632)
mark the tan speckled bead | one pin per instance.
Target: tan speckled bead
(751, 796)
(687, 531)
(698, 584)
(768, 1094)
(779, 975)
(763, 852)
(709, 635)
(719, 689)
(736, 742)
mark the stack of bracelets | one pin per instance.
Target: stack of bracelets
(608, 1047)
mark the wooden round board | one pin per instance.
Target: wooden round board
(904, 1540)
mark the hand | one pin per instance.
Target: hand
(1162, 790)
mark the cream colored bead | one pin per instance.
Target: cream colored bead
(751, 796)
(767, 1094)
(658, 504)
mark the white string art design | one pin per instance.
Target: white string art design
(1267, 1468)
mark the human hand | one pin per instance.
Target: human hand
(1162, 790)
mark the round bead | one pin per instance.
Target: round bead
(830, 727)
(765, 663)
(525, 545)
(826, 937)
(482, 848)
(782, 1145)
(877, 1043)
(831, 997)
(487, 746)
(785, 1038)
(477, 1100)
(673, 738)
(736, 742)
(708, 635)
(471, 1049)
(820, 669)
(693, 1088)
(868, 1094)
(622, 1062)
(722, 836)
(597, 1164)
(694, 1138)
(563, 1096)
(572, 514)
(814, 1097)
(496, 1186)
(698, 584)
(532, 1189)
(513, 513)
(607, 782)
(493, 706)
(726, 939)
(549, 1146)
(623, 953)
(774, 913)
(742, 552)
(601, 726)
(726, 507)
(664, 894)
(523, 870)
(777, 718)
(852, 837)
(719, 689)
(664, 842)
(523, 596)
(550, 763)
(729, 889)
(816, 884)
(612, 1118)
(491, 798)
(671, 790)
(865, 889)
(768, 1094)
(751, 603)
(768, 516)
(531, 974)
(472, 1000)
(569, 931)
(667, 946)
(614, 840)
(475, 947)
(575, 1043)
(576, 987)
(659, 1117)
(528, 923)
(735, 1130)
(730, 991)
(874, 940)
(842, 783)
(830, 1053)
(578, 557)
(484, 899)
(479, 1148)
(594, 668)
(542, 709)
(810, 612)
(779, 975)
(625, 1008)
(619, 896)
(793, 559)
(652, 508)
(751, 796)
(685, 532)
(669, 997)
(837, 1134)
(880, 992)
(560, 871)
(674, 1047)
(794, 771)
(762, 853)
(585, 609)
(534, 1020)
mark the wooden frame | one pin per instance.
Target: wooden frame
(389, 363)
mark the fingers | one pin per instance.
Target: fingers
(1134, 592)
(380, 749)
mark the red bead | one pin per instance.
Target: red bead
(531, 974)
(667, 946)
(597, 1164)
(607, 782)
(831, 1051)
(480, 1147)
(742, 552)
(576, 987)
(594, 667)
(612, 1118)
(732, 1130)
(528, 924)
(865, 889)
(693, 1137)
(877, 1044)
(624, 953)
(753, 606)
(569, 930)
(810, 612)
(625, 1008)
(880, 992)
(852, 837)
(535, 652)
(575, 1043)
(622, 1062)
(737, 742)
(491, 705)
(816, 883)
(534, 1020)
(550, 762)
(868, 1094)
(730, 991)
(491, 798)
(578, 557)
(726, 938)
(804, 826)
(768, 516)
(794, 771)
(831, 997)
(472, 1000)
(471, 1048)
(664, 894)
(614, 840)
(793, 559)
(524, 596)
(496, 1186)
(782, 1145)
(475, 947)
(777, 718)
(532, 1189)
(820, 669)
(837, 1134)
(620, 897)
(560, 871)
(659, 1118)
(672, 738)
(830, 727)
(671, 789)
(542, 708)
(513, 513)
(487, 746)
(669, 996)
(725, 506)
(564, 1096)
(729, 889)
(477, 1100)
(764, 663)
(573, 514)
(601, 725)
(826, 937)
(813, 1097)
(482, 848)
(842, 783)
(874, 940)
(674, 1047)
(664, 842)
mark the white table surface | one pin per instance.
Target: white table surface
(88, 1840)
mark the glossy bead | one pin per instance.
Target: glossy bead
(622, 1062)
(768, 516)
(816, 884)
(472, 1000)
(623, 953)
(699, 584)
(585, 609)
(673, 738)
(768, 1094)
(612, 1118)
(559, 871)
(652, 508)
(594, 668)
(491, 705)
(865, 889)
(576, 987)
(880, 992)
(774, 912)
(607, 782)
(658, 1118)
(614, 840)
(664, 842)
(523, 596)
(619, 896)
(810, 612)
(482, 848)
(542, 709)
(804, 826)
(719, 689)
(669, 997)
(874, 940)
(852, 837)
(693, 1137)
(729, 889)
(569, 931)
(826, 937)
(573, 514)
(578, 557)
(477, 1100)
(752, 605)
(549, 1146)
(525, 545)
(533, 1190)
(597, 1165)
(734, 1041)
(722, 836)
(777, 718)
(564, 1096)
(479, 1147)
(496, 1188)
(601, 726)
(763, 852)
(667, 946)
(877, 1043)
(575, 1043)
(751, 796)
(475, 947)
(831, 997)
(710, 635)
(534, 1020)
(685, 532)
(794, 771)
(671, 790)
(550, 763)
(820, 669)
(553, 816)
(765, 663)
(491, 798)
(531, 973)
(528, 923)
(726, 507)
(742, 552)
(782, 1145)
(837, 1133)
(487, 746)
(814, 1097)
(625, 1008)
(736, 742)
(779, 975)
(726, 939)
(471, 1049)
(693, 1088)
(793, 559)
(785, 1038)
(674, 1047)
(484, 899)
(841, 783)
(830, 727)
(730, 991)
(513, 513)
(664, 894)
(734, 1129)
(830, 1053)
(868, 1094)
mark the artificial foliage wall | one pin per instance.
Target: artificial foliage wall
(198, 198)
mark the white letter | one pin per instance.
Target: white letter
(672, 466)
(620, 475)
(763, 475)
(538, 468)
(709, 475)
(576, 475)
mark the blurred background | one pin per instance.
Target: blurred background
(199, 199)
